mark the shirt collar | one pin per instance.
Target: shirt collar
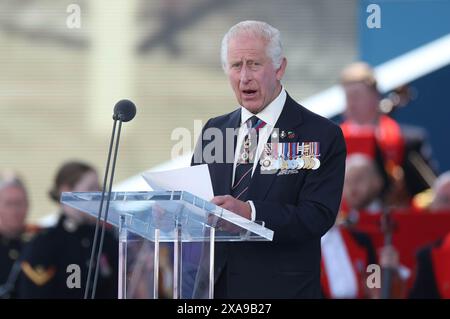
(270, 113)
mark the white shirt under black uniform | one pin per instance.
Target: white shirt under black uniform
(269, 115)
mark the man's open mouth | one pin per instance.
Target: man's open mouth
(249, 92)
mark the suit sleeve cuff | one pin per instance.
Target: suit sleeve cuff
(252, 206)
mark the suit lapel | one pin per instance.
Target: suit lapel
(221, 174)
(290, 118)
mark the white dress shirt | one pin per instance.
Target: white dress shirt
(269, 115)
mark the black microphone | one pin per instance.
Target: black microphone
(124, 111)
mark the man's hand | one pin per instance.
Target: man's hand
(234, 205)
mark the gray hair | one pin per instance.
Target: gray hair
(258, 29)
(10, 179)
(360, 160)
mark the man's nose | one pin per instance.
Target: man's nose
(246, 74)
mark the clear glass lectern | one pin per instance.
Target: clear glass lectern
(166, 240)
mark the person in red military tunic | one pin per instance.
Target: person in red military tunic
(362, 112)
(366, 129)
(346, 252)
(433, 271)
(345, 256)
(433, 261)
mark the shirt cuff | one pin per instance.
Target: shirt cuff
(252, 206)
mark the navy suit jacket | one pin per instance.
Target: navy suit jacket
(299, 208)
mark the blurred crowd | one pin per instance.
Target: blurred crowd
(34, 260)
(395, 214)
(395, 210)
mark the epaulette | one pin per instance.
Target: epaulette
(39, 275)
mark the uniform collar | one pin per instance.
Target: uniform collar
(270, 113)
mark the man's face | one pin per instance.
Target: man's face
(361, 186)
(252, 76)
(362, 103)
(13, 210)
(87, 183)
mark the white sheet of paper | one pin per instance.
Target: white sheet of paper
(193, 179)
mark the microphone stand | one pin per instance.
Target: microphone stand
(99, 217)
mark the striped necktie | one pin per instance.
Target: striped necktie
(247, 155)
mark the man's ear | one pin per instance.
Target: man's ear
(281, 69)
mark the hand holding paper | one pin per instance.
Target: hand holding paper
(194, 179)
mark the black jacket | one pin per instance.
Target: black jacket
(298, 207)
(46, 259)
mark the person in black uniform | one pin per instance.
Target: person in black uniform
(13, 231)
(48, 269)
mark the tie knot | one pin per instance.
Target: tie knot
(255, 123)
(253, 120)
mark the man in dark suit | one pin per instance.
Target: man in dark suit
(286, 169)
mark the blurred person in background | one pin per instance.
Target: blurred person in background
(364, 186)
(14, 233)
(47, 257)
(346, 252)
(441, 193)
(433, 261)
(404, 148)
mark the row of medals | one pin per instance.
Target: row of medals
(268, 162)
(300, 162)
(271, 162)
